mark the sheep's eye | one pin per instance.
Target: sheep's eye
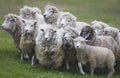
(71, 33)
(32, 25)
(51, 10)
(12, 20)
(105, 32)
(69, 20)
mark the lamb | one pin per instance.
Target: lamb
(51, 14)
(69, 50)
(27, 41)
(99, 26)
(13, 25)
(94, 55)
(104, 41)
(48, 47)
(67, 19)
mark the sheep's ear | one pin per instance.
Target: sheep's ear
(55, 10)
(86, 40)
(35, 23)
(5, 17)
(74, 18)
(23, 21)
(42, 30)
(54, 31)
(73, 39)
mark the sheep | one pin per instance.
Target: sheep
(104, 41)
(26, 13)
(69, 50)
(99, 26)
(27, 41)
(31, 13)
(51, 14)
(48, 47)
(67, 19)
(114, 32)
(13, 25)
(94, 55)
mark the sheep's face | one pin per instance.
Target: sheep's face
(10, 22)
(67, 38)
(110, 32)
(49, 11)
(26, 13)
(29, 26)
(98, 28)
(36, 10)
(66, 20)
(48, 34)
(87, 32)
(79, 42)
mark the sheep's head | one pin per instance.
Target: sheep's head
(67, 19)
(87, 32)
(36, 10)
(67, 38)
(48, 34)
(29, 26)
(26, 12)
(110, 31)
(79, 42)
(99, 27)
(49, 11)
(10, 22)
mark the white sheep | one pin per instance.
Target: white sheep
(51, 14)
(94, 55)
(31, 13)
(99, 26)
(114, 32)
(48, 47)
(27, 41)
(26, 12)
(68, 19)
(13, 25)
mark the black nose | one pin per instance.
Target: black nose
(65, 37)
(26, 30)
(77, 46)
(62, 24)
(46, 39)
(44, 15)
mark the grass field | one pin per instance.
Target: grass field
(86, 10)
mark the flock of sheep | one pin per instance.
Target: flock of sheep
(56, 38)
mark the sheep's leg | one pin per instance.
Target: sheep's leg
(67, 65)
(26, 56)
(81, 69)
(22, 56)
(92, 67)
(112, 71)
(92, 71)
(33, 60)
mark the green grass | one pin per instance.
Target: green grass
(86, 10)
